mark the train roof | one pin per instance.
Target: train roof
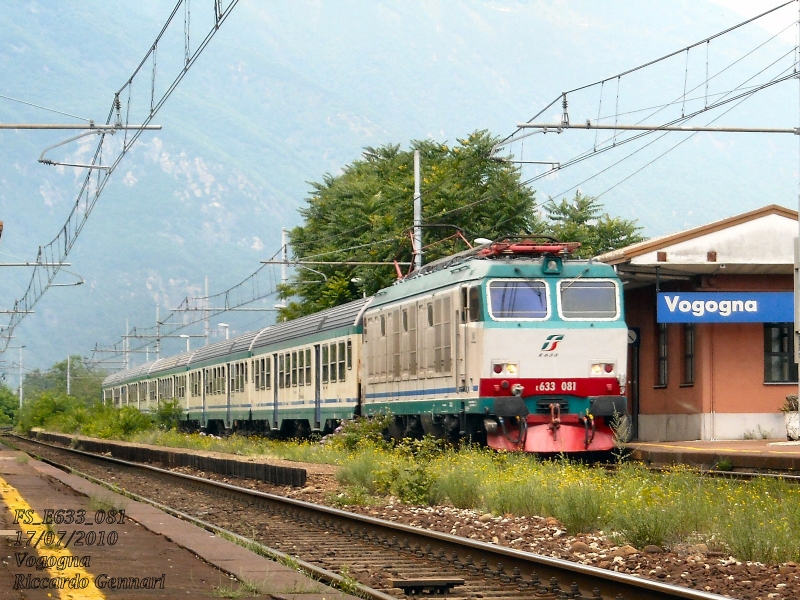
(466, 267)
(346, 315)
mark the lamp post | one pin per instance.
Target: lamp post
(188, 337)
(226, 327)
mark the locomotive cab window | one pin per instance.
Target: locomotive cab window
(589, 299)
(518, 299)
(474, 303)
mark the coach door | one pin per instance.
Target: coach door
(228, 386)
(275, 391)
(317, 388)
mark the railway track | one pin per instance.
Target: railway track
(388, 560)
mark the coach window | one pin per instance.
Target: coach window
(779, 365)
(430, 315)
(688, 354)
(301, 368)
(280, 371)
(294, 368)
(266, 381)
(383, 325)
(334, 361)
(349, 354)
(341, 361)
(308, 366)
(661, 356)
(324, 362)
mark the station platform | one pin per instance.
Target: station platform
(757, 455)
(47, 552)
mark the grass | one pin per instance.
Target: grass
(236, 589)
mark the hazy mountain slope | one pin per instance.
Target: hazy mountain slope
(291, 90)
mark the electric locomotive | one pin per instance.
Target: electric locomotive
(513, 344)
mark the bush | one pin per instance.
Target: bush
(359, 432)
(168, 414)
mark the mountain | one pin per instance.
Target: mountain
(288, 91)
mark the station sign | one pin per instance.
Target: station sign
(725, 307)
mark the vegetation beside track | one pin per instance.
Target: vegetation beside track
(753, 520)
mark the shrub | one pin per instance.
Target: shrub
(168, 414)
(359, 432)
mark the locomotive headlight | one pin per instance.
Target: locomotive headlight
(601, 368)
(503, 368)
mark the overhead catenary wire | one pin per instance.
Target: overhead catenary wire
(515, 133)
(659, 137)
(604, 144)
(60, 246)
(52, 110)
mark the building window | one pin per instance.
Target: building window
(688, 354)
(779, 365)
(661, 361)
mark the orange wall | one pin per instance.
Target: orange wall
(729, 357)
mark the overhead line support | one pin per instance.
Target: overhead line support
(559, 127)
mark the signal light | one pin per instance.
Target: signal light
(609, 367)
(498, 368)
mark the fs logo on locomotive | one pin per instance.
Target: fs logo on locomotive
(551, 343)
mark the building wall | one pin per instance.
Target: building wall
(728, 398)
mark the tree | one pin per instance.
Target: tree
(9, 403)
(366, 212)
(582, 220)
(85, 381)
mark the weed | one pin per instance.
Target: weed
(236, 589)
(22, 459)
(106, 503)
(291, 562)
(352, 496)
(749, 435)
(413, 486)
(348, 584)
(724, 464)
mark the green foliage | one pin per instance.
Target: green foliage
(582, 220)
(85, 381)
(359, 431)
(168, 414)
(413, 484)
(47, 407)
(9, 404)
(370, 206)
(67, 414)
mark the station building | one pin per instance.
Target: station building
(710, 312)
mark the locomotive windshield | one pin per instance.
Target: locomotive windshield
(517, 299)
(589, 299)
